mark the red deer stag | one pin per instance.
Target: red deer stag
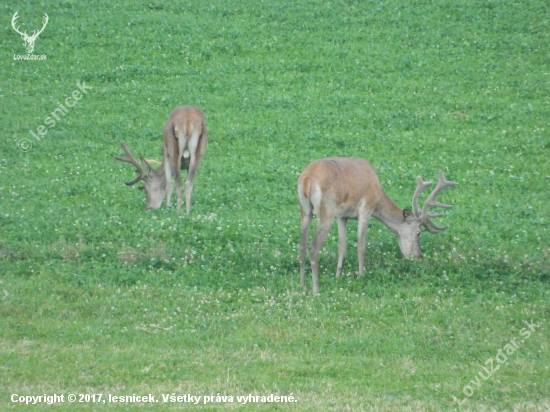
(185, 138)
(348, 188)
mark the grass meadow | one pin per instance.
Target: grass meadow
(100, 296)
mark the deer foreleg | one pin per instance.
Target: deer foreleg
(362, 226)
(168, 173)
(193, 168)
(182, 149)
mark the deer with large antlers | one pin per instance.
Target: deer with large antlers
(348, 188)
(185, 138)
(29, 40)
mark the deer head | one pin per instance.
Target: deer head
(408, 234)
(29, 40)
(155, 180)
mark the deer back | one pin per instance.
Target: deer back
(340, 186)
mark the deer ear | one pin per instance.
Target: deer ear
(146, 165)
(407, 214)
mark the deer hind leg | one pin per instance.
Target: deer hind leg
(323, 227)
(342, 247)
(192, 145)
(306, 215)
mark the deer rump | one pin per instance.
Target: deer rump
(184, 137)
(329, 198)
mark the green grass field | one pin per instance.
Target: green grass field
(100, 296)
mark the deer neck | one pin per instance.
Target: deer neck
(160, 172)
(388, 213)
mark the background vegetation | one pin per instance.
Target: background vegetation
(99, 295)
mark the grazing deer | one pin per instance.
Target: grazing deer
(29, 40)
(185, 138)
(348, 188)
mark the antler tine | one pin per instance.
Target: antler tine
(130, 159)
(433, 228)
(426, 216)
(421, 186)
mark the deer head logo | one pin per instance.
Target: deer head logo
(29, 40)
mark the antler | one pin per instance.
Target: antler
(14, 18)
(46, 19)
(425, 216)
(130, 159)
(35, 32)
